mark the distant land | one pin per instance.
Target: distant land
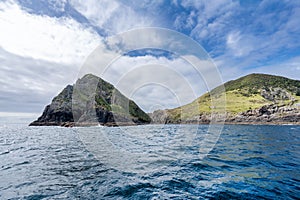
(252, 99)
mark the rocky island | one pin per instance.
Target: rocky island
(252, 99)
(91, 101)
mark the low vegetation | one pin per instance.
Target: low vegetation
(243, 94)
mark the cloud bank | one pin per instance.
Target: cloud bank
(44, 44)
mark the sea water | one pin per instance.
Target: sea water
(148, 162)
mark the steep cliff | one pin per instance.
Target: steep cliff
(91, 101)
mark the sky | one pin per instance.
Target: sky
(44, 46)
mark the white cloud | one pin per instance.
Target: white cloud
(185, 21)
(232, 40)
(209, 9)
(60, 40)
(39, 55)
(27, 85)
(111, 15)
(240, 45)
(97, 12)
(172, 82)
(212, 18)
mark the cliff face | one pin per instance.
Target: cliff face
(59, 111)
(268, 114)
(253, 99)
(91, 101)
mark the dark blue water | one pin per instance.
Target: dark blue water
(248, 162)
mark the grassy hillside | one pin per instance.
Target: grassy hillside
(249, 92)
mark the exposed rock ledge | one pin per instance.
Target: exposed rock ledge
(268, 114)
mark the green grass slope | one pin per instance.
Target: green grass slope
(249, 92)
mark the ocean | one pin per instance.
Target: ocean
(148, 162)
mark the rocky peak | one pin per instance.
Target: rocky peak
(91, 100)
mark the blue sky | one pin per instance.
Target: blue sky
(43, 44)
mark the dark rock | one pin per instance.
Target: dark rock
(264, 111)
(268, 114)
(94, 102)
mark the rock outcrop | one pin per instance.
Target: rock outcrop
(268, 114)
(276, 94)
(91, 101)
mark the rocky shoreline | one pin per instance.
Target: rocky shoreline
(85, 124)
(268, 114)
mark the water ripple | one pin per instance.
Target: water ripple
(248, 162)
